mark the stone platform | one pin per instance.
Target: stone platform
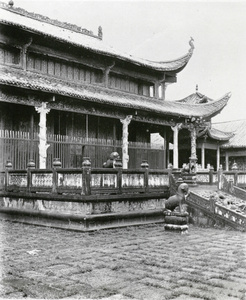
(86, 213)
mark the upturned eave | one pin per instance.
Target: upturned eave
(37, 24)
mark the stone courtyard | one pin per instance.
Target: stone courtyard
(143, 262)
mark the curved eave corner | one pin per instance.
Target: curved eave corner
(219, 135)
(215, 107)
(204, 110)
(176, 65)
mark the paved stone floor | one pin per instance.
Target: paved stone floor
(143, 262)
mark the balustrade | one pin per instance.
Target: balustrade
(85, 181)
(230, 215)
(199, 201)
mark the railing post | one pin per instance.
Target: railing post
(30, 166)
(118, 165)
(212, 200)
(8, 167)
(220, 173)
(86, 176)
(211, 173)
(230, 186)
(145, 165)
(56, 165)
(235, 170)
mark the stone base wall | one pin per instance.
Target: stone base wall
(82, 215)
(197, 217)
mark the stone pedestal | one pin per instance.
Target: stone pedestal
(190, 177)
(176, 221)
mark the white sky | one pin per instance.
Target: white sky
(161, 30)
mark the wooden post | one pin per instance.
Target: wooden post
(118, 166)
(146, 180)
(165, 150)
(86, 176)
(193, 142)
(24, 54)
(168, 150)
(125, 156)
(30, 166)
(235, 170)
(31, 156)
(218, 157)
(203, 156)
(176, 129)
(8, 167)
(106, 74)
(56, 165)
(211, 172)
(114, 135)
(227, 161)
(43, 111)
(156, 90)
(220, 173)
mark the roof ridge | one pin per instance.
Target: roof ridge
(230, 121)
(62, 32)
(42, 18)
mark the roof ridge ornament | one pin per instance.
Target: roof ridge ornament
(192, 47)
(38, 17)
(100, 32)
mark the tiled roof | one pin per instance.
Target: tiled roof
(218, 134)
(99, 94)
(238, 128)
(196, 98)
(44, 26)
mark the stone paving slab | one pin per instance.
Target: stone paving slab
(143, 262)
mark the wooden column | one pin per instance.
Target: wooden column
(43, 111)
(114, 135)
(31, 156)
(176, 129)
(168, 150)
(226, 161)
(193, 156)
(203, 156)
(193, 141)
(156, 86)
(165, 149)
(106, 74)
(87, 126)
(24, 54)
(163, 88)
(218, 157)
(125, 156)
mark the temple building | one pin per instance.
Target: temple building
(65, 94)
(233, 150)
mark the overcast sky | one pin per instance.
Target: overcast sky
(161, 30)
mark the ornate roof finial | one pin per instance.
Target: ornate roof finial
(11, 3)
(197, 88)
(100, 33)
(191, 43)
